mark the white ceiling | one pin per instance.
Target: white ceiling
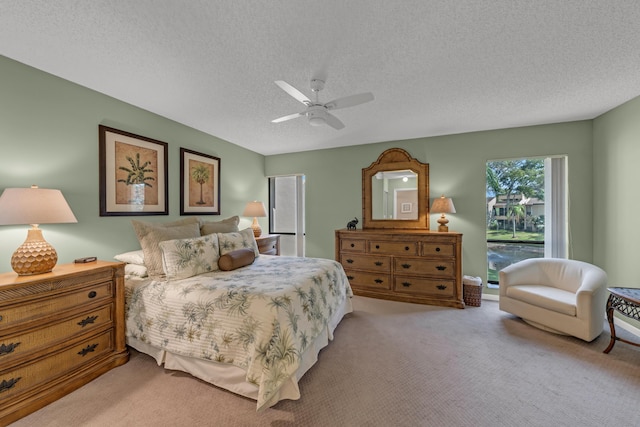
(435, 66)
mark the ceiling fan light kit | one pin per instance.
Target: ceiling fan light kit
(318, 113)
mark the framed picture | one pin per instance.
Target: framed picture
(199, 183)
(133, 174)
(406, 208)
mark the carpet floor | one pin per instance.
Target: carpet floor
(392, 364)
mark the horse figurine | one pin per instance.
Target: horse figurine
(351, 225)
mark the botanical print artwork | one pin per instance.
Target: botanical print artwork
(200, 184)
(136, 175)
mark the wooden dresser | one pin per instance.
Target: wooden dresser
(58, 331)
(269, 244)
(419, 266)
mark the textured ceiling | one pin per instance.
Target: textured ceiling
(435, 67)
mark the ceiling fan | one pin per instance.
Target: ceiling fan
(317, 112)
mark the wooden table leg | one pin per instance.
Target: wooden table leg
(611, 325)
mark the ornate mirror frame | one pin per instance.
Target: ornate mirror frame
(391, 160)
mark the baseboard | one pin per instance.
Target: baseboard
(491, 297)
(627, 327)
(620, 323)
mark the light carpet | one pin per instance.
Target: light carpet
(392, 364)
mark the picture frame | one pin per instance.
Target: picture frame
(133, 174)
(199, 183)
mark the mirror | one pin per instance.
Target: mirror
(394, 195)
(395, 192)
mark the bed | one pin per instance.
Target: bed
(254, 330)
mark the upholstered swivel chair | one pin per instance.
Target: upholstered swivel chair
(558, 295)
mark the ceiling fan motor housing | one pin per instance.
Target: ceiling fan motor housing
(316, 115)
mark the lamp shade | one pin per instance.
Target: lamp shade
(255, 209)
(443, 205)
(34, 206)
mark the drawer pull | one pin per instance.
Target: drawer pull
(8, 348)
(350, 277)
(406, 248)
(377, 246)
(0, 318)
(441, 267)
(89, 319)
(350, 261)
(353, 245)
(92, 294)
(378, 263)
(437, 249)
(378, 281)
(406, 265)
(88, 349)
(406, 284)
(442, 287)
(6, 385)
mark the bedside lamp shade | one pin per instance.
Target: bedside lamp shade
(442, 206)
(34, 206)
(255, 209)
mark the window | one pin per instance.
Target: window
(527, 211)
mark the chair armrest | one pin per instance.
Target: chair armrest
(520, 273)
(591, 295)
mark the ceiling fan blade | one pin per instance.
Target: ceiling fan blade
(333, 121)
(294, 92)
(289, 117)
(349, 101)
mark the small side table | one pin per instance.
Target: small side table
(269, 244)
(625, 301)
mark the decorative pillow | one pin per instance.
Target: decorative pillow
(135, 270)
(182, 258)
(151, 234)
(228, 225)
(236, 259)
(133, 257)
(239, 240)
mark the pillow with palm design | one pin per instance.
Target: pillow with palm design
(239, 240)
(182, 258)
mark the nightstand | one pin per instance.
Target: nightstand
(269, 244)
(58, 331)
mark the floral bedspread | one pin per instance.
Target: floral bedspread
(260, 318)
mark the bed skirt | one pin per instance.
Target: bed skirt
(233, 378)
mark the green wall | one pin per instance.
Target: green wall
(49, 137)
(457, 168)
(616, 204)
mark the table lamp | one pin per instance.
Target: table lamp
(442, 206)
(34, 206)
(255, 209)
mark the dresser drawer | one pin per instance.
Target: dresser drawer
(438, 249)
(431, 287)
(393, 248)
(22, 344)
(366, 262)
(424, 266)
(368, 280)
(19, 313)
(352, 245)
(24, 377)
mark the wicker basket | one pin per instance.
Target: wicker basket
(472, 291)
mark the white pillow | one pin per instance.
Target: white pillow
(133, 257)
(182, 258)
(239, 240)
(135, 270)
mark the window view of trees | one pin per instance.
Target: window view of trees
(515, 213)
